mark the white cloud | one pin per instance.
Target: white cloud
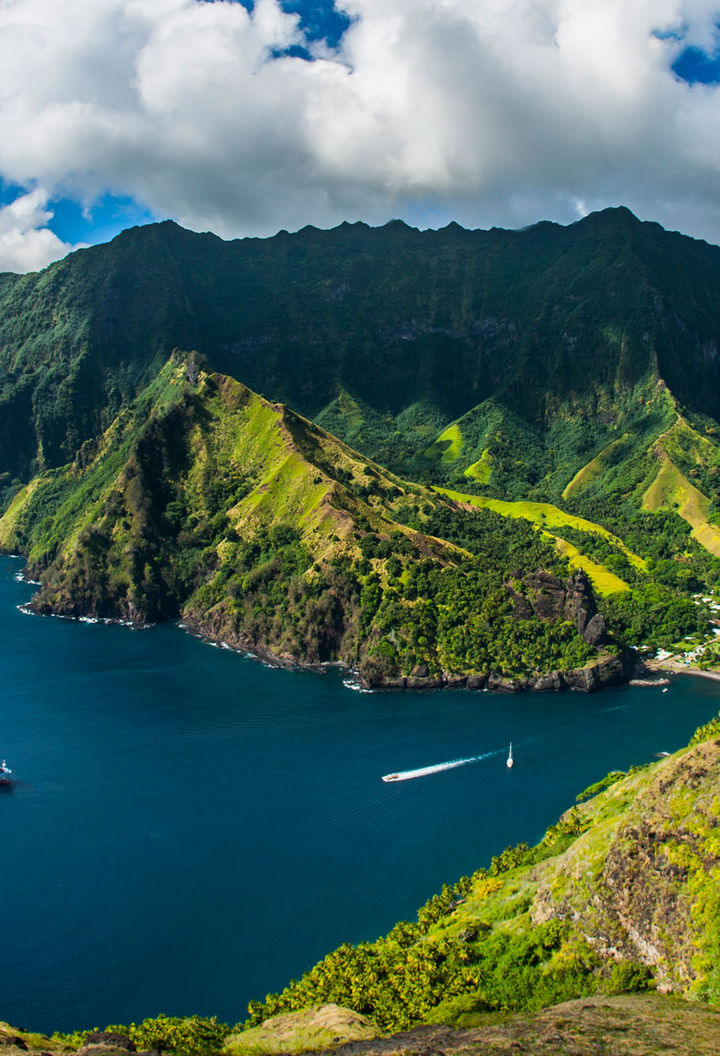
(489, 111)
(26, 244)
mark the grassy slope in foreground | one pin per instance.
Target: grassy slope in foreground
(258, 528)
(623, 893)
(622, 1025)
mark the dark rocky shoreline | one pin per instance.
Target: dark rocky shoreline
(573, 599)
(607, 670)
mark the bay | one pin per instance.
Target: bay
(190, 829)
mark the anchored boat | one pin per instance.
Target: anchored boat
(5, 773)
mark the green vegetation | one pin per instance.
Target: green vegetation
(603, 580)
(310, 1030)
(528, 931)
(550, 518)
(543, 348)
(481, 470)
(653, 614)
(181, 1035)
(671, 489)
(146, 494)
(599, 786)
(707, 732)
(203, 500)
(544, 401)
(448, 445)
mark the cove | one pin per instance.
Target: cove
(190, 829)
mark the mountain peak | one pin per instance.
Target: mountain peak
(616, 216)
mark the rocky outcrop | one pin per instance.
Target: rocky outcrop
(643, 887)
(607, 670)
(553, 682)
(500, 684)
(544, 595)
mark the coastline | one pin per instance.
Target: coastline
(603, 671)
(676, 667)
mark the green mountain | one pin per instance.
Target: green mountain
(482, 459)
(552, 339)
(205, 501)
(551, 392)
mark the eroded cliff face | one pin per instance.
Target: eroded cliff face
(548, 597)
(643, 883)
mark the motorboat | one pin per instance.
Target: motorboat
(510, 760)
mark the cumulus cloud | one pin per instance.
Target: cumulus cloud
(26, 244)
(486, 111)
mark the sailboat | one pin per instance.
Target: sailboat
(5, 774)
(510, 760)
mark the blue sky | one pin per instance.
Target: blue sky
(110, 214)
(99, 223)
(244, 118)
(698, 67)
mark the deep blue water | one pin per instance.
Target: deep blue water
(190, 829)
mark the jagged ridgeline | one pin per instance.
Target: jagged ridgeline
(517, 363)
(553, 393)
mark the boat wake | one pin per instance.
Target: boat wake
(437, 768)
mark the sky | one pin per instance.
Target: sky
(245, 118)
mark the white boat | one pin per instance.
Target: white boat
(5, 773)
(510, 760)
(437, 768)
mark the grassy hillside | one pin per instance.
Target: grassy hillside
(547, 517)
(204, 501)
(549, 339)
(616, 1025)
(553, 382)
(622, 894)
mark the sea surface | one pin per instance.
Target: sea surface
(190, 829)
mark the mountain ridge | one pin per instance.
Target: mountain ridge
(108, 316)
(256, 527)
(523, 373)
